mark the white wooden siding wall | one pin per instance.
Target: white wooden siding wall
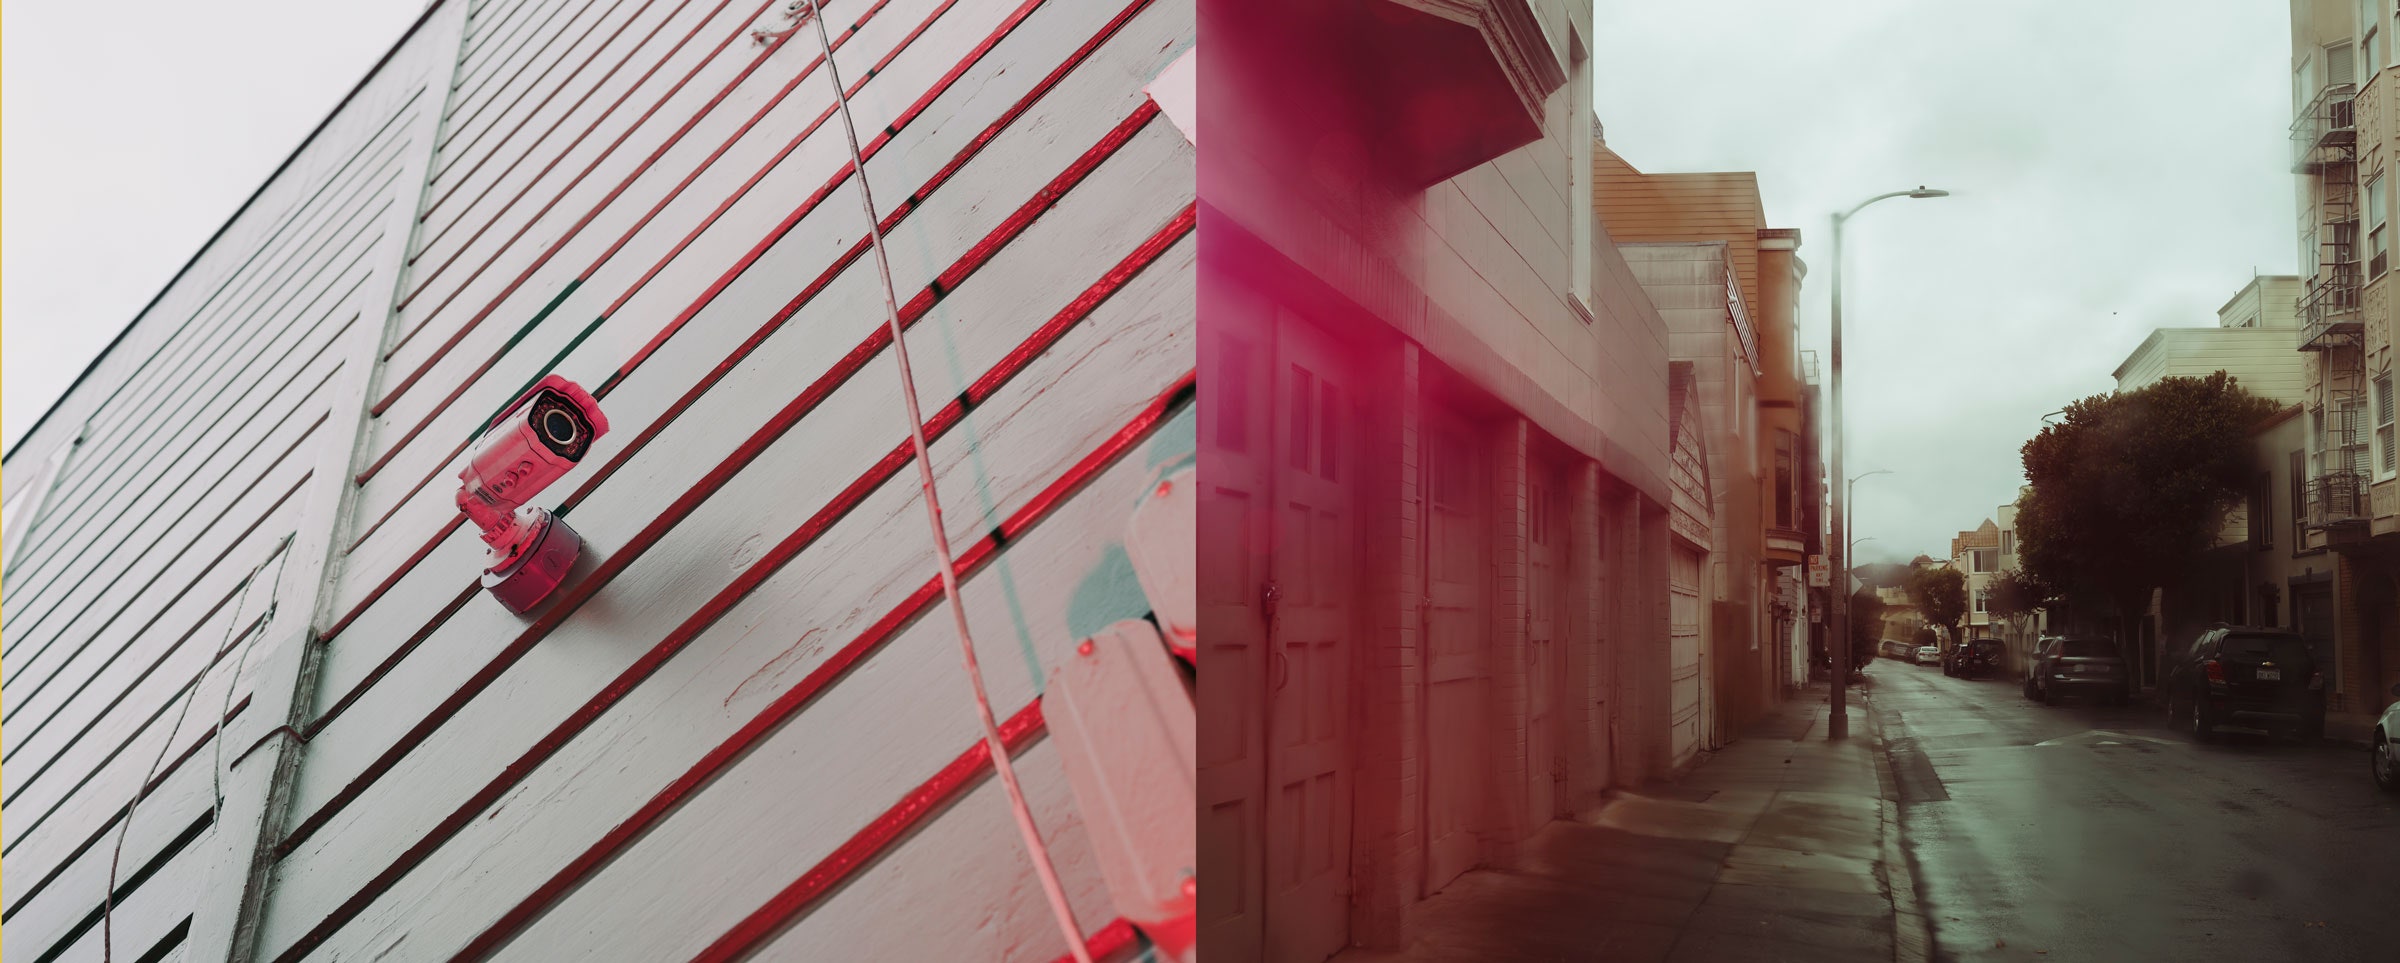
(746, 518)
(131, 612)
(648, 196)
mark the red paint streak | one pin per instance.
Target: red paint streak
(1117, 937)
(1056, 188)
(518, 157)
(792, 701)
(469, 380)
(389, 662)
(460, 334)
(670, 141)
(948, 417)
(393, 578)
(618, 63)
(929, 798)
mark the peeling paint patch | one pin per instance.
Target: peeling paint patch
(1108, 594)
(775, 666)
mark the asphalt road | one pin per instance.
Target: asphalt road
(2083, 832)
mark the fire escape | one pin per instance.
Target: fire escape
(2325, 138)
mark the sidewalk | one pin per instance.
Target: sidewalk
(1780, 847)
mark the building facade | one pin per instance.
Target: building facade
(251, 677)
(1728, 286)
(2344, 134)
(1476, 500)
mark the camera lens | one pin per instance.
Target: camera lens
(559, 426)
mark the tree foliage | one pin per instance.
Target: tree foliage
(2016, 593)
(1940, 593)
(2130, 488)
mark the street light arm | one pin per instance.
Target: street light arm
(1855, 208)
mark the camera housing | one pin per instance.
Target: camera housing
(532, 443)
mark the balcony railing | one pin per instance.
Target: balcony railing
(2326, 131)
(2329, 310)
(2336, 499)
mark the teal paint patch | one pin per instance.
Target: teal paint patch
(1176, 444)
(527, 329)
(1108, 594)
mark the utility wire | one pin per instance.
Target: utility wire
(1038, 852)
(108, 898)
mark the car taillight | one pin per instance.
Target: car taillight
(2216, 670)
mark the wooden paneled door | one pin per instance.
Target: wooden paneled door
(1236, 466)
(1685, 609)
(1315, 567)
(1280, 554)
(1546, 537)
(1457, 673)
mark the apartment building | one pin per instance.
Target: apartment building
(253, 684)
(2345, 139)
(2252, 341)
(1977, 554)
(1728, 286)
(1476, 599)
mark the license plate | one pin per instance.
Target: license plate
(2270, 675)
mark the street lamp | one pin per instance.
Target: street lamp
(1838, 725)
(1851, 495)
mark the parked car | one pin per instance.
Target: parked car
(1898, 649)
(1928, 655)
(2246, 678)
(2384, 761)
(2065, 666)
(1975, 658)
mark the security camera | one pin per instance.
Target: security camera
(533, 442)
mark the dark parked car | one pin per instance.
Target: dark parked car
(1978, 657)
(2247, 678)
(2062, 667)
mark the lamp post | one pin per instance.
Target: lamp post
(1850, 548)
(1837, 726)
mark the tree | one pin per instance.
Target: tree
(2016, 593)
(1866, 626)
(2130, 488)
(1940, 593)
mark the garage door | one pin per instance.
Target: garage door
(1683, 654)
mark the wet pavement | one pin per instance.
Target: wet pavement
(1780, 848)
(2082, 832)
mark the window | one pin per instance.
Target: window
(2008, 543)
(1982, 560)
(2299, 495)
(1980, 596)
(2376, 238)
(2386, 459)
(1784, 480)
(2316, 441)
(2308, 254)
(2337, 67)
(2347, 445)
(2370, 24)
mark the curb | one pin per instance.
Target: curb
(1912, 931)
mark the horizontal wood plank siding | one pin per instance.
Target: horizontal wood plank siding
(654, 198)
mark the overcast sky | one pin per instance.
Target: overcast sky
(2118, 166)
(133, 130)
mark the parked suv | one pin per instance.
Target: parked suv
(2247, 678)
(2063, 666)
(1977, 657)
